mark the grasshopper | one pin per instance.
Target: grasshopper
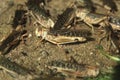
(90, 18)
(58, 39)
(73, 69)
(65, 19)
(39, 14)
(12, 67)
(96, 18)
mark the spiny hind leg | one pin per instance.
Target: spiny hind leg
(90, 25)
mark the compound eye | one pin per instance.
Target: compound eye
(76, 40)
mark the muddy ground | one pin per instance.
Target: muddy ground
(33, 56)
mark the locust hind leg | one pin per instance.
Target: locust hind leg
(115, 46)
(113, 43)
(105, 35)
(101, 39)
(90, 25)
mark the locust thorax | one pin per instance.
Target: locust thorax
(81, 12)
(41, 33)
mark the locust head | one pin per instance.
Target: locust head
(41, 33)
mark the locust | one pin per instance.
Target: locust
(97, 19)
(59, 38)
(90, 18)
(12, 67)
(73, 69)
(17, 36)
(65, 19)
(39, 14)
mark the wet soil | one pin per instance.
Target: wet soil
(34, 55)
